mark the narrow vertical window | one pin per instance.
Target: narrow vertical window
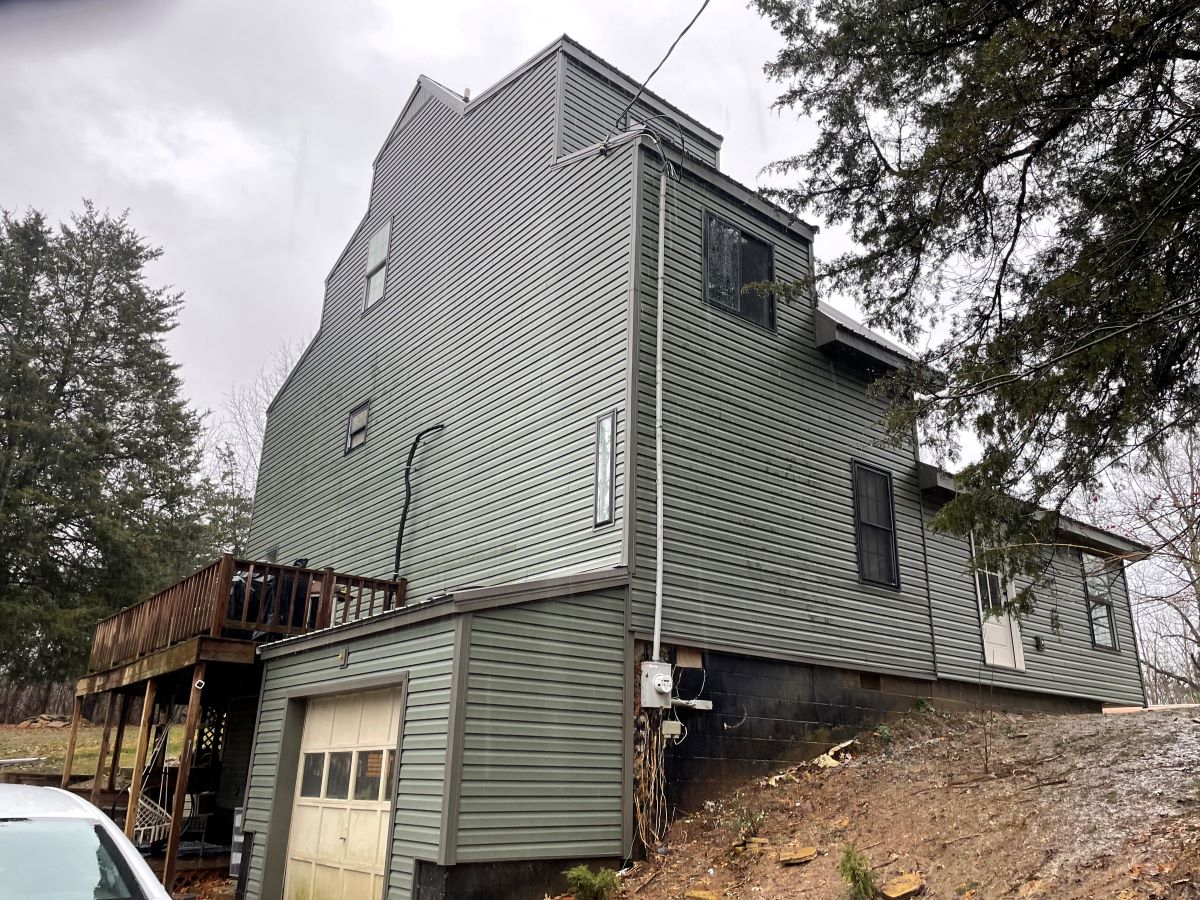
(1098, 581)
(356, 426)
(377, 255)
(606, 428)
(875, 526)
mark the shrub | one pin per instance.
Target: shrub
(588, 885)
(856, 869)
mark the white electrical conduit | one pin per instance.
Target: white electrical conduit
(658, 419)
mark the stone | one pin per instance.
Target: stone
(902, 886)
(797, 857)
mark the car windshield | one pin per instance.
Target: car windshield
(62, 859)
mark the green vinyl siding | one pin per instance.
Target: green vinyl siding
(425, 651)
(505, 319)
(543, 737)
(1068, 663)
(761, 430)
(592, 107)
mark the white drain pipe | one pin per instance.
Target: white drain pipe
(658, 419)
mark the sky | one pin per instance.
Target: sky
(240, 135)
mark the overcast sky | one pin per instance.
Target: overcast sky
(240, 135)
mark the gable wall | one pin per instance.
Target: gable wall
(505, 319)
(760, 431)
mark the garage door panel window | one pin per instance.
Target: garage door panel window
(313, 775)
(367, 775)
(338, 785)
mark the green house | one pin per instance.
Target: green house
(523, 254)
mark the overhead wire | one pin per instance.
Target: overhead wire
(642, 88)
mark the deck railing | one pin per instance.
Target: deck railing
(239, 598)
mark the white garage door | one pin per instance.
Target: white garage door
(337, 843)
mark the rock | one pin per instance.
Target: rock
(907, 885)
(797, 857)
(57, 723)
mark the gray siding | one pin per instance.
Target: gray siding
(1069, 665)
(543, 739)
(760, 430)
(425, 651)
(505, 318)
(592, 105)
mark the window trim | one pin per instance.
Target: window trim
(367, 305)
(773, 316)
(1108, 603)
(346, 448)
(597, 522)
(855, 466)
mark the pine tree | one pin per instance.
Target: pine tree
(1022, 181)
(98, 450)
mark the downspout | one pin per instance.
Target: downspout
(658, 419)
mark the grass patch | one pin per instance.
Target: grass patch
(52, 744)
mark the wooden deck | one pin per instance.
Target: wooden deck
(237, 600)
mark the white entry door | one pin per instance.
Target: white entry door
(1001, 632)
(338, 836)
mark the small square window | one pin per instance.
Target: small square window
(313, 774)
(733, 260)
(377, 255)
(606, 429)
(356, 426)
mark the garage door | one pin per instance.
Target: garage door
(337, 843)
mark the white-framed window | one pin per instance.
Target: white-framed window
(606, 464)
(1099, 582)
(377, 257)
(356, 426)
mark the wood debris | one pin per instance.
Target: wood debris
(797, 857)
(902, 886)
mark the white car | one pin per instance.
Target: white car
(57, 846)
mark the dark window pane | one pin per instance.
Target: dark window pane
(368, 774)
(314, 769)
(337, 786)
(722, 263)
(756, 267)
(876, 538)
(390, 781)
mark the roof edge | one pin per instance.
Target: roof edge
(942, 485)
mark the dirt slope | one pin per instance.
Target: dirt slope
(983, 806)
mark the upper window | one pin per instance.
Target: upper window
(377, 254)
(356, 426)
(734, 259)
(1099, 579)
(875, 525)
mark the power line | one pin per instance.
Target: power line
(623, 112)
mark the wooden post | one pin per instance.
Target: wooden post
(102, 758)
(139, 758)
(76, 714)
(325, 603)
(185, 767)
(116, 757)
(222, 585)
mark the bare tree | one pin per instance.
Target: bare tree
(1156, 500)
(244, 414)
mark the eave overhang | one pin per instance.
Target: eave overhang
(942, 487)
